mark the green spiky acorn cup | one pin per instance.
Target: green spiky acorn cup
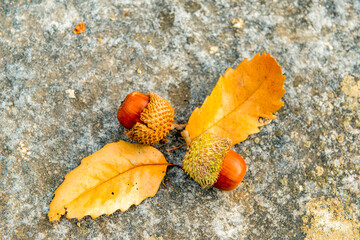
(211, 162)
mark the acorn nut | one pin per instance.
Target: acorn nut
(211, 162)
(148, 117)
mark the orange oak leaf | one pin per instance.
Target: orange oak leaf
(241, 100)
(115, 177)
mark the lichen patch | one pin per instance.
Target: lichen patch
(350, 87)
(330, 219)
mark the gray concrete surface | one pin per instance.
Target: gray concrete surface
(59, 94)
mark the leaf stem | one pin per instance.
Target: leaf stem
(175, 165)
(178, 127)
(175, 148)
(186, 137)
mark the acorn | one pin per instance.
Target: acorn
(148, 117)
(232, 172)
(131, 108)
(211, 162)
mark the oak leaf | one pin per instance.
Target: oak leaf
(115, 177)
(241, 100)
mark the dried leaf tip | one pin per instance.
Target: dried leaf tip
(80, 28)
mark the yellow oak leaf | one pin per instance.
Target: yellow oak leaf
(115, 177)
(241, 100)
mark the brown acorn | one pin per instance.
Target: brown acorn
(211, 162)
(148, 117)
(131, 109)
(232, 172)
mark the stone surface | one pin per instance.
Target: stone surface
(59, 93)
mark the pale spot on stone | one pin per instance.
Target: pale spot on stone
(237, 23)
(284, 181)
(340, 138)
(350, 87)
(307, 144)
(330, 219)
(154, 238)
(319, 171)
(24, 151)
(214, 49)
(70, 93)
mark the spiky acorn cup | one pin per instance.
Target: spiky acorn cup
(211, 162)
(203, 161)
(156, 118)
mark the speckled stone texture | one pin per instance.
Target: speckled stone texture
(59, 93)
